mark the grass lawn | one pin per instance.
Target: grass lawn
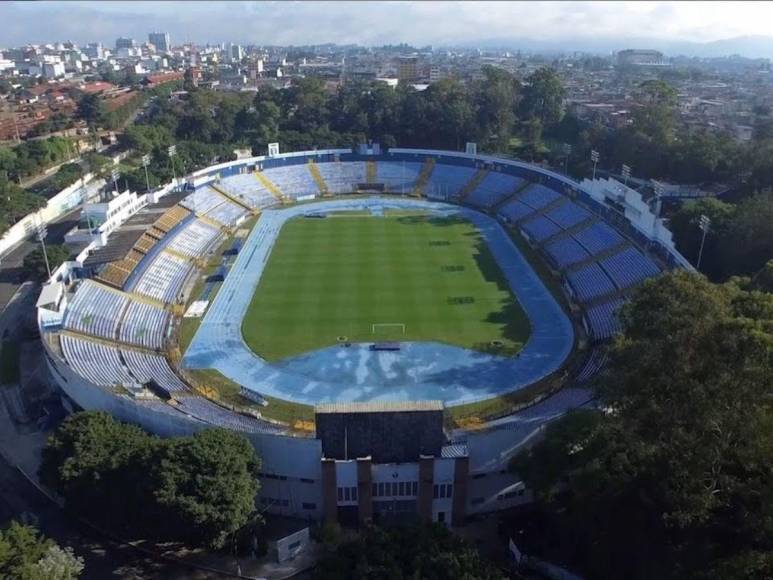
(330, 278)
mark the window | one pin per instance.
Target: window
(415, 488)
(435, 491)
(305, 480)
(354, 494)
(347, 491)
(381, 491)
(394, 488)
(401, 488)
(340, 494)
(374, 490)
(309, 506)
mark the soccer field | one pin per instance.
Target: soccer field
(364, 278)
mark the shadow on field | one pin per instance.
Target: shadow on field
(514, 322)
(511, 316)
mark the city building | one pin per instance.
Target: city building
(121, 42)
(161, 41)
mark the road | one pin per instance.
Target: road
(11, 273)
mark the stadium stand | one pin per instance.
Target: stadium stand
(164, 278)
(216, 415)
(629, 267)
(567, 215)
(293, 181)
(537, 196)
(593, 365)
(98, 363)
(95, 310)
(246, 188)
(399, 177)
(447, 180)
(598, 237)
(146, 367)
(203, 200)
(194, 239)
(144, 325)
(513, 211)
(602, 319)
(494, 189)
(539, 228)
(590, 282)
(565, 251)
(227, 213)
(342, 177)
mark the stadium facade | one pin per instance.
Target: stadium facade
(109, 322)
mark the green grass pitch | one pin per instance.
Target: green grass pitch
(336, 277)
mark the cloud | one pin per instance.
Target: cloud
(418, 23)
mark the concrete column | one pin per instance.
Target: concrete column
(364, 490)
(459, 502)
(426, 481)
(329, 491)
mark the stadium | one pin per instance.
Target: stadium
(387, 327)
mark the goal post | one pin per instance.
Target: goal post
(388, 327)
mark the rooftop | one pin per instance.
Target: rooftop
(379, 407)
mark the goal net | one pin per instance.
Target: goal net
(388, 328)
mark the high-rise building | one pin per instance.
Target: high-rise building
(124, 43)
(160, 40)
(233, 52)
(95, 50)
(408, 68)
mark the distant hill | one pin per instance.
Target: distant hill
(748, 46)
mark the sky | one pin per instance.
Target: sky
(376, 23)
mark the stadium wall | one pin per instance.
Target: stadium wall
(290, 467)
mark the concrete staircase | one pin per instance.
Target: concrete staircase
(318, 179)
(232, 199)
(269, 185)
(479, 176)
(426, 172)
(370, 171)
(494, 208)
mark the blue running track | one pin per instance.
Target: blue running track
(420, 371)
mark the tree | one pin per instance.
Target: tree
(90, 109)
(687, 234)
(543, 96)
(35, 262)
(26, 555)
(58, 564)
(419, 551)
(497, 97)
(748, 244)
(100, 467)
(208, 483)
(674, 480)
(198, 489)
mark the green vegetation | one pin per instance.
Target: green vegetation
(225, 390)
(680, 466)
(26, 555)
(35, 262)
(200, 489)
(22, 161)
(740, 238)
(420, 551)
(331, 280)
